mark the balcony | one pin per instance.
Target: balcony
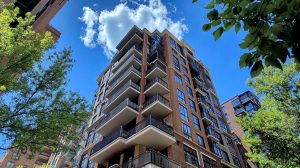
(206, 117)
(155, 86)
(132, 61)
(150, 132)
(128, 90)
(156, 69)
(130, 74)
(157, 106)
(120, 115)
(151, 157)
(134, 39)
(212, 134)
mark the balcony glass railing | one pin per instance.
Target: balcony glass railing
(157, 79)
(156, 65)
(154, 98)
(120, 132)
(120, 91)
(116, 110)
(151, 157)
(125, 64)
(125, 74)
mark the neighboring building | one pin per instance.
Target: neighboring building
(156, 106)
(247, 102)
(44, 10)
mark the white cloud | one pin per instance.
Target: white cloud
(90, 18)
(113, 25)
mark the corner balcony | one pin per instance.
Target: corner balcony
(206, 117)
(132, 61)
(120, 115)
(156, 69)
(212, 134)
(128, 90)
(130, 74)
(150, 132)
(157, 106)
(157, 85)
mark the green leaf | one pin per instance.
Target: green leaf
(194, 1)
(216, 22)
(256, 69)
(210, 5)
(271, 61)
(228, 24)
(213, 15)
(206, 27)
(218, 33)
(237, 27)
(244, 60)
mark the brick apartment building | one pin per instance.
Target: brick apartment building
(246, 102)
(156, 106)
(44, 10)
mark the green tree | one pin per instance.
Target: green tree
(274, 130)
(40, 111)
(20, 46)
(272, 26)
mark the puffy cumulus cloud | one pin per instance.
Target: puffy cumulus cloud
(114, 24)
(90, 18)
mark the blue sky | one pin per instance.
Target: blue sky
(220, 56)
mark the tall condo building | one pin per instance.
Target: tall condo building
(156, 106)
(44, 10)
(246, 102)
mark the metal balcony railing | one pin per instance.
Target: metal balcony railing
(156, 65)
(154, 98)
(124, 64)
(205, 114)
(157, 79)
(118, 80)
(120, 132)
(118, 93)
(211, 131)
(151, 157)
(116, 110)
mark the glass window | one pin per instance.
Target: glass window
(187, 79)
(10, 164)
(176, 63)
(180, 96)
(90, 164)
(189, 91)
(83, 160)
(218, 112)
(190, 155)
(89, 138)
(223, 126)
(93, 119)
(190, 52)
(196, 122)
(15, 154)
(96, 137)
(200, 141)
(226, 117)
(172, 42)
(192, 105)
(183, 113)
(215, 122)
(236, 161)
(183, 60)
(185, 70)
(236, 102)
(224, 155)
(208, 162)
(187, 131)
(178, 79)
(97, 109)
(180, 49)
(230, 127)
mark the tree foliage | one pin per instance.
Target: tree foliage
(40, 111)
(20, 46)
(275, 128)
(273, 29)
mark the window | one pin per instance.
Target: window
(83, 160)
(187, 79)
(225, 155)
(180, 49)
(236, 102)
(183, 60)
(180, 96)
(185, 70)
(89, 138)
(10, 164)
(215, 122)
(236, 161)
(176, 63)
(223, 126)
(226, 117)
(172, 42)
(230, 127)
(95, 138)
(200, 141)
(190, 52)
(218, 112)
(190, 155)
(15, 154)
(90, 164)
(93, 120)
(183, 113)
(208, 162)
(178, 79)
(97, 109)
(192, 105)
(187, 131)
(196, 122)
(189, 91)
